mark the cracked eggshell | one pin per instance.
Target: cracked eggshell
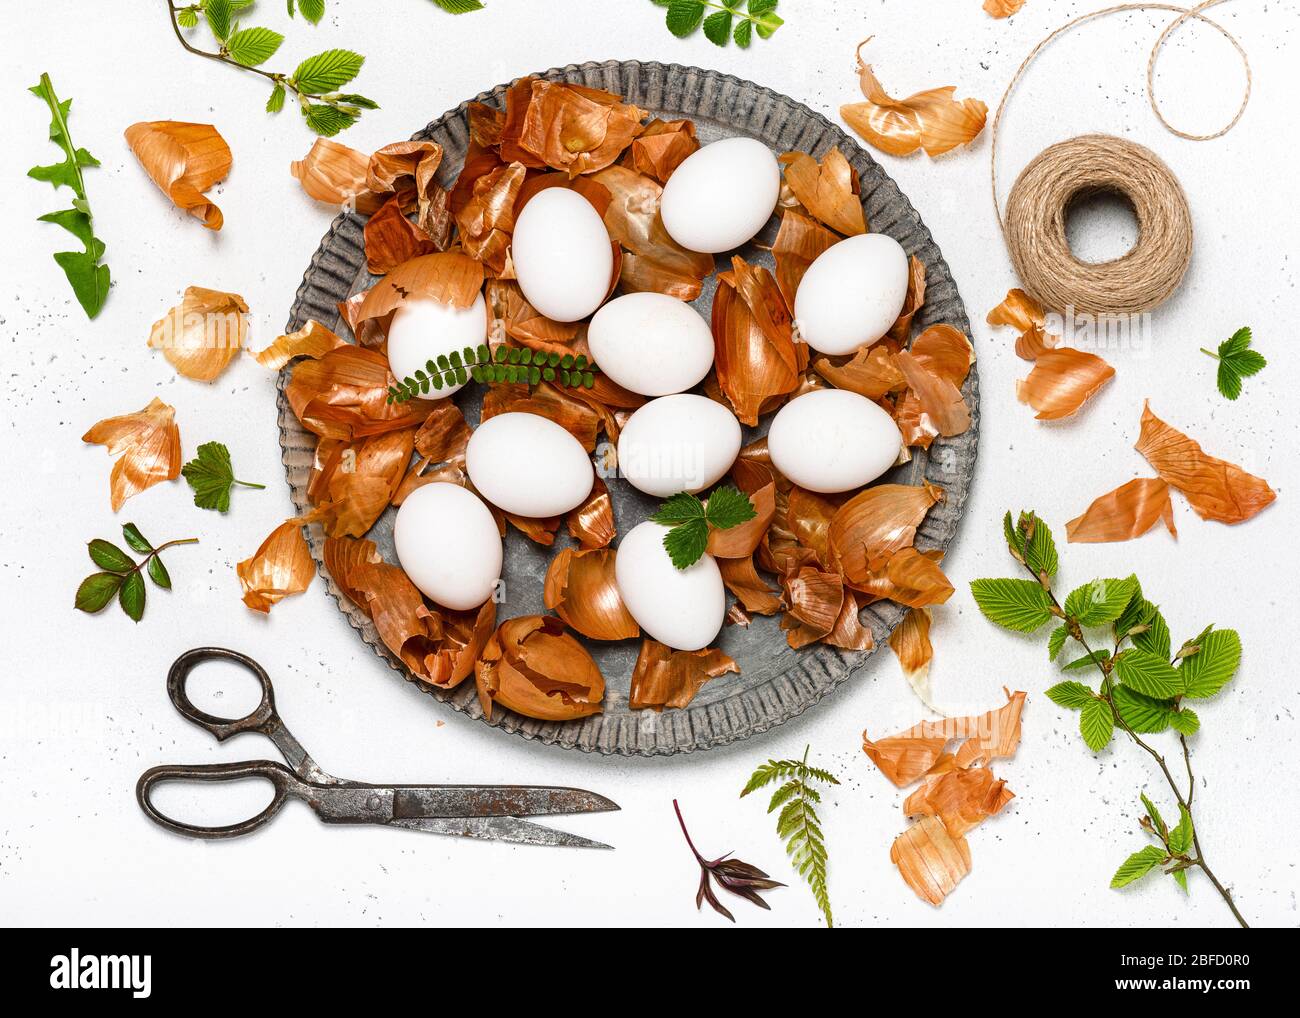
(721, 195)
(651, 343)
(831, 440)
(447, 543)
(562, 255)
(852, 293)
(528, 465)
(682, 608)
(423, 329)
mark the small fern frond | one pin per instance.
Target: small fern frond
(507, 365)
(798, 824)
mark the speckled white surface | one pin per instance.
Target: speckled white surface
(82, 704)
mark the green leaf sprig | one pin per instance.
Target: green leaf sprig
(122, 577)
(211, 475)
(1144, 683)
(508, 365)
(692, 519)
(798, 824)
(88, 278)
(736, 20)
(1236, 361)
(315, 83)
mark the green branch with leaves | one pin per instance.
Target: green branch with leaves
(735, 20)
(511, 365)
(1144, 684)
(798, 824)
(87, 276)
(315, 83)
(122, 577)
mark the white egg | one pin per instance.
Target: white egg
(447, 543)
(721, 195)
(852, 293)
(678, 443)
(682, 608)
(651, 343)
(423, 329)
(528, 465)
(832, 440)
(562, 254)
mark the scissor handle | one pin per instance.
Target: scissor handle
(283, 780)
(221, 728)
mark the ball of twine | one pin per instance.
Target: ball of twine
(1079, 168)
(1040, 200)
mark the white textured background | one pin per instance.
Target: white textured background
(82, 704)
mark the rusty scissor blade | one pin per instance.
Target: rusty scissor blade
(495, 828)
(417, 801)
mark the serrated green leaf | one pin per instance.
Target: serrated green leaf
(1236, 361)
(1015, 539)
(328, 121)
(1096, 725)
(1039, 546)
(1073, 695)
(131, 596)
(728, 507)
(1056, 641)
(686, 542)
(219, 14)
(680, 508)
(1089, 660)
(1180, 838)
(743, 33)
(1135, 613)
(1137, 865)
(1145, 672)
(1021, 605)
(1100, 602)
(1184, 721)
(1156, 640)
(312, 10)
(1144, 714)
(253, 46)
(158, 573)
(96, 591)
(1155, 816)
(684, 17)
(717, 27)
(135, 540)
(1180, 877)
(109, 556)
(211, 476)
(1213, 666)
(326, 72)
(275, 101)
(187, 17)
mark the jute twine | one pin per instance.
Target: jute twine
(1040, 200)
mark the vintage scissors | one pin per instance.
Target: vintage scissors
(473, 811)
